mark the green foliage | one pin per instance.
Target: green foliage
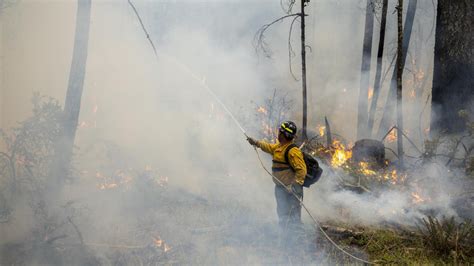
(31, 144)
(393, 247)
(25, 164)
(445, 241)
(448, 237)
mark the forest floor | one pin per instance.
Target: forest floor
(197, 231)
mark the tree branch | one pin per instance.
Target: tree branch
(76, 229)
(291, 53)
(259, 41)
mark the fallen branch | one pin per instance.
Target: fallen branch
(76, 229)
(51, 240)
(341, 231)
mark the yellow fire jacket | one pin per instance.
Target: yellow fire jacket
(280, 169)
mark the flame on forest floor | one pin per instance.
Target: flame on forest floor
(365, 169)
(341, 154)
(321, 129)
(417, 198)
(159, 243)
(394, 177)
(262, 110)
(122, 178)
(392, 136)
(92, 123)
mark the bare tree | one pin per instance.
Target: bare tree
(389, 110)
(399, 83)
(378, 71)
(261, 44)
(65, 143)
(362, 116)
(303, 70)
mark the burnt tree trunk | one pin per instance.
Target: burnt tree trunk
(399, 67)
(362, 116)
(378, 71)
(64, 146)
(303, 72)
(453, 75)
(388, 114)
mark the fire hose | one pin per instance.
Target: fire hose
(203, 84)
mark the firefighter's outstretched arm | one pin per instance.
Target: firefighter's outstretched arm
(266, 147)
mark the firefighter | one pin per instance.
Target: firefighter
(290, 175)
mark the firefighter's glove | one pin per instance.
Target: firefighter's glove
(252, 141)
(297, 189)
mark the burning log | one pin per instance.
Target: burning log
(369, 150)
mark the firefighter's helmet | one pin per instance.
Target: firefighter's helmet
(288, 128)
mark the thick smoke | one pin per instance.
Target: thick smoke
(432, 190)
(143, 116)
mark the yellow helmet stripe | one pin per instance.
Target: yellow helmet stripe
(285, 128)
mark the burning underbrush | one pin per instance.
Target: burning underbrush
(361, 185)
(398, 216)
(115, 210)
(366, 191)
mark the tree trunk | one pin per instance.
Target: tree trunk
(387, 119)
(303, 73)
(453, 75)
(1, 77)
(378, 72)
(399, 67)
(64, 146)
(362, 116)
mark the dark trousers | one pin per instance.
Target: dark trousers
(288, 207)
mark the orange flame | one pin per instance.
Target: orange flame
(365, 169)
(417, 198)
(268, 131)
(157, 241)
(394, 177)
(420, 74)
(392, 136)
(371, 93)
(119, 179)
(341, 154)
(427, 131)
(262, 110)
(321, 129)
